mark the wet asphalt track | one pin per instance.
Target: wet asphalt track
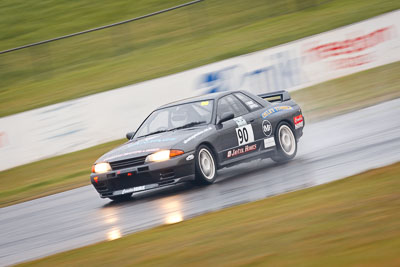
(329, 150)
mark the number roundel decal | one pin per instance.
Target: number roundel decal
(267, 128)
(245, 134)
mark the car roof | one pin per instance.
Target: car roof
(212, 96)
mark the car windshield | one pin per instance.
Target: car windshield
(177, 117)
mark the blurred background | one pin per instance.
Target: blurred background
(56, 56)
(167, 43)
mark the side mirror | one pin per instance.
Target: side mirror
(226, 117)
(130, 135)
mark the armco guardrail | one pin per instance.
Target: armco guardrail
(100, 28)
(95, 119)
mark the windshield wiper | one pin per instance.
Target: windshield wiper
(188, 125)
(156, 132)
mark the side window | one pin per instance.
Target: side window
(250, 103)
(230, 104)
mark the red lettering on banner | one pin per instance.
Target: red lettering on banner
(350, 46)
(350, 62)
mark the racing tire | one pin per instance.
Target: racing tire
(205, 166)
(286, 143)
(121, 198)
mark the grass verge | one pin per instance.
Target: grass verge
(154, 47)
(49, 176)
(354, 221)
(349, 93)
(325, 100)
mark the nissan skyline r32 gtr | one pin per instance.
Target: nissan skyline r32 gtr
(189, 140)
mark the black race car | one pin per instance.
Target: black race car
(189, 140)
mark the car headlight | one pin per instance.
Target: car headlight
(101, 167)
(163, 155)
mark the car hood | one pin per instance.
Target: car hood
(150, 144)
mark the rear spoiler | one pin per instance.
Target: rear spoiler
(276, 96)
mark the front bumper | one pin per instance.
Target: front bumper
(145, 177)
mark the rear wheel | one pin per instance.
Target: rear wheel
(286, 143)
(121, 197)
(206, 167)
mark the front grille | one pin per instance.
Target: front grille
(124, 181)
(167, 174)
(127, 163)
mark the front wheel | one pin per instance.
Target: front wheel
(206, 168)
(286, 143)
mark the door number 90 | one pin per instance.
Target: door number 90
(245, 134)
